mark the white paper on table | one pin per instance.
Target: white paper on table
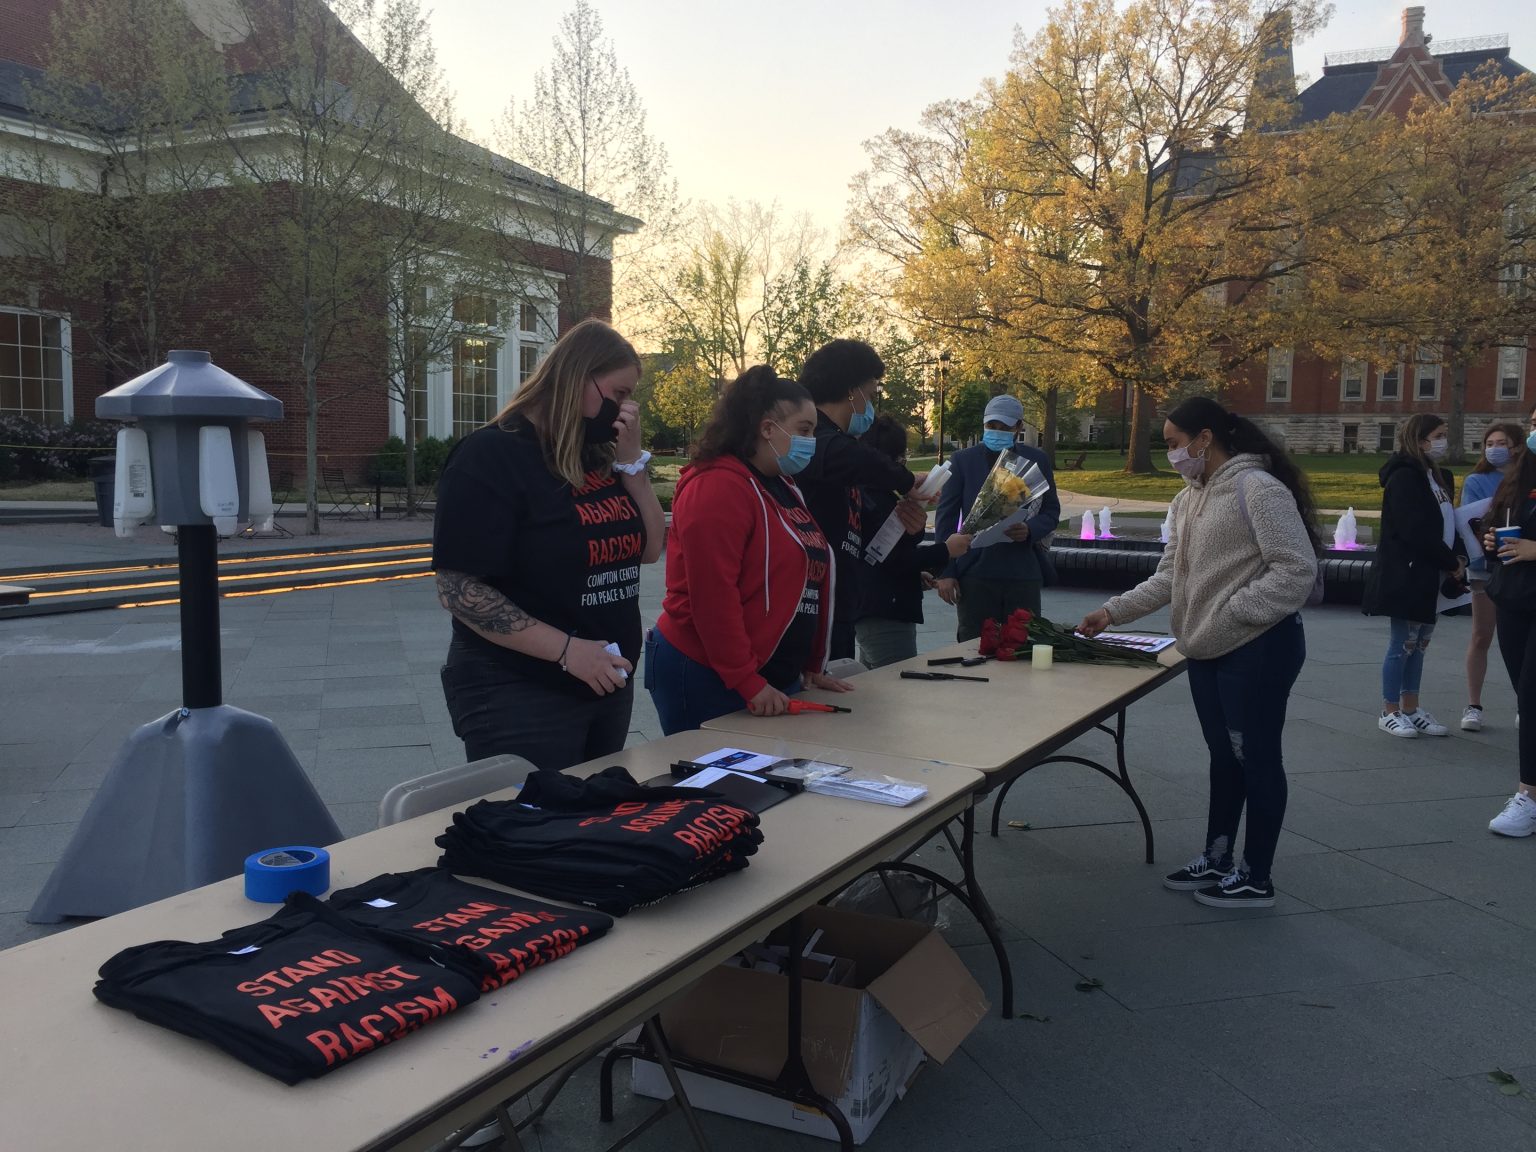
(736, 759)
(1151, 644)
(712, 775)
(1464, 517)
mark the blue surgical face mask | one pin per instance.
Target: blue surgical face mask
(801, 449)
(1497, 455)
(861, 422)
(1530, 441)
(997, 440)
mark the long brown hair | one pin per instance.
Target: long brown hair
(550, 399)
(1516, 436)
(1416, 428)
(1513, 491)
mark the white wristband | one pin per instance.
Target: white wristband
(636, 467)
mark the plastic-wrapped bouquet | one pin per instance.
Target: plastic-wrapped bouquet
(1012, 638)
(1010, 494)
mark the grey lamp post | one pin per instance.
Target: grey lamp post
(192, 794)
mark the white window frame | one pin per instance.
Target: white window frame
(1381, 376)
(1419, 365)
(1361, 371)
(1515, 352)
(510, 337)
(1282, 365)
(66, 355)
(1391, 436)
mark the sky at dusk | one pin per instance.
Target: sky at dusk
(772, 101)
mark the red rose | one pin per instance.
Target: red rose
(1007, 653)
(989, 631)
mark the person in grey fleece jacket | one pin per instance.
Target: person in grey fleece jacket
(1240, 562)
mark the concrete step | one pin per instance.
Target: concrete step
(154, 583)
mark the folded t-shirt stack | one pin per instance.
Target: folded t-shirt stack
(430, 906)
(296, 995)
(605, 842)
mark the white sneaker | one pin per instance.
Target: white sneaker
(1472, 719)
(1518, 817)
(1396, 724)
(1426, 723)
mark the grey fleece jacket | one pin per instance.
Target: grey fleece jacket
(1228, 582)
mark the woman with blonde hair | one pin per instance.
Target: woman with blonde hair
(1419, 552)
(1500, 443)
(544, 517)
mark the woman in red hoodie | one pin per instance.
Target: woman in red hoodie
(748, 607)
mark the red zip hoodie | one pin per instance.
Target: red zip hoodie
(735, 574)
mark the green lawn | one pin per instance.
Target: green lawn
(1338, 480)
(47, 490)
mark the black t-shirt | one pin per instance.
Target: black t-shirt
(799, 640)
(296, 995)
(604, 842)
(431, 906)
(568, 558)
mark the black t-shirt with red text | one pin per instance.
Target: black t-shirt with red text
(570, 558)
(603, 841)
(790, 658)
(513, 933)
(296, 995)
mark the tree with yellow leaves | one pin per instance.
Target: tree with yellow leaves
(1119, 205)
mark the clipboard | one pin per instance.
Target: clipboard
(751, 793)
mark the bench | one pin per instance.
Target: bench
(14, 595)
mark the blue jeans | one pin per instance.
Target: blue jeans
(1403, 668)
(685, 692)
(1240, 699)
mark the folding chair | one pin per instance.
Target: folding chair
(451, 786)
(348, 505)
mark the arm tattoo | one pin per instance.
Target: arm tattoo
(478, 604)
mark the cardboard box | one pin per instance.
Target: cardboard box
(862, 1044)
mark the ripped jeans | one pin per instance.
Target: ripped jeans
(1403, 668)
(1240, 699)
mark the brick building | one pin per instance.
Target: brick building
(1322, 405)
(50, 372)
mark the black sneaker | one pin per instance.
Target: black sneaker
(1238, 890)
(1201, 872)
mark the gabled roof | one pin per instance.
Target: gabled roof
(1343, 87)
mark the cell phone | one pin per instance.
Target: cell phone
(946, 660)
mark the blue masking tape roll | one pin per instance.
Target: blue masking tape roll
(272, 874)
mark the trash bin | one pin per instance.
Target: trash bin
(104, 478)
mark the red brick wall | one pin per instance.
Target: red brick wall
(24, 30)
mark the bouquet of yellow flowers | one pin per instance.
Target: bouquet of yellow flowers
(1011, 493)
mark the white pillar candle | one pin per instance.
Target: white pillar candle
(1040, 655)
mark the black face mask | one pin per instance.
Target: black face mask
(600, 429)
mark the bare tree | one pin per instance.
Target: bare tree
(128, 99)
(591, 173)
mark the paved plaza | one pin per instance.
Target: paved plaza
(1365, 1011)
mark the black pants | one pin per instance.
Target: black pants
(1240, 699)
(497, 713)
(1517, 644)
(982, 600)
